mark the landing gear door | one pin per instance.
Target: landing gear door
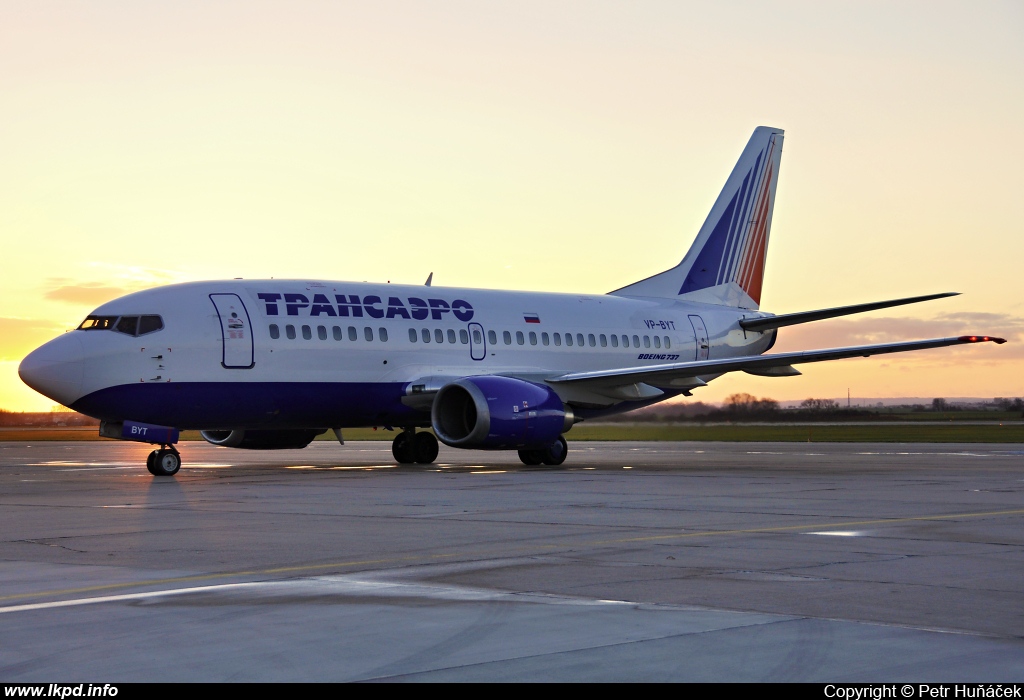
(236, 331)
(477, 343)
(700, 334)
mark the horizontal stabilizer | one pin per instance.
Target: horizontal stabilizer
(668, 375)
(769, 322)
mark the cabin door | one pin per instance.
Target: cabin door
(477, 343)
(700, 334)
(236, 331)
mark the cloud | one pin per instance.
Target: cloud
(118, 280)
(867, 331)
(18, 336)
(92, 293)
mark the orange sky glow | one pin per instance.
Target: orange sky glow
(572, 146)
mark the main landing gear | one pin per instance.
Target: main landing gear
(164, 462)
(410, 447)
(552, 455)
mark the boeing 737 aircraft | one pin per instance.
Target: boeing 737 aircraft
(270, 364)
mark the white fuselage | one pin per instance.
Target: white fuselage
(281, 353)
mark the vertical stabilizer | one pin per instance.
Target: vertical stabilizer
(725, 264)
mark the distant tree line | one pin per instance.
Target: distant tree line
(746, 407)
(51, 419)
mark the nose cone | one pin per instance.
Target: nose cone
(56, 369)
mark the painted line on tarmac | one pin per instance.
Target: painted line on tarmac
(792, 528)
(426, 557)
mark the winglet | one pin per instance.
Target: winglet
(430, 278)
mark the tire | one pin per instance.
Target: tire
(531, 458)
(424, 448)
(555, 453)
(167, 463)
(402, 448)
(151, 462)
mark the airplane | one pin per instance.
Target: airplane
(271, 364)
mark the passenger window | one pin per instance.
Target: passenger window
(647, 341)
(412, 335)
(451, 336)
(533, 338)
(668, 343)
(337, 333)
(383, 334)
(519, 337)
(352, 333)
(464, 336)
(604, 340)
(558, 339)
(492, 337)
(321, 332)
(150, 324)
(307, 333)
(625, 341)
(657, 342)
(438, 335)
(592, 339)
(636, 341)
(507, 337)
(478, 338)
(368, 334)
(615, 340)
(275, 332)
(127, 325)
(545, 338)
(579, 339)
(425, 334)
(289, 331)
(568, 339)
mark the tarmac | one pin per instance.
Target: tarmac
(633, 561)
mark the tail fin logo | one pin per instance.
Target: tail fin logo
(735, 249)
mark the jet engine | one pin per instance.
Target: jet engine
(498, 413)
(261, 439)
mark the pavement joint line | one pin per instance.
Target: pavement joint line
(534, 547)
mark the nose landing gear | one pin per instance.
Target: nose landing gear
(164, 462)
(410, 447)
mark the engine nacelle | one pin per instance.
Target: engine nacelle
(498, 413)
(261, 439)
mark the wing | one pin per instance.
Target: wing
(688, 374)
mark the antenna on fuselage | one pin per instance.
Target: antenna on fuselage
(430, 278)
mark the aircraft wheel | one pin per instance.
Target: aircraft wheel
(531, 458)
(151, 462)
(424, 447)
(166, 463)
(555, 453)
(402, 448)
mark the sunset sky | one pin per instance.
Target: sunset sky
(556, 146)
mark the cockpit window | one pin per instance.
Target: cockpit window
(150, 324)
(129, 325)
(98, 323)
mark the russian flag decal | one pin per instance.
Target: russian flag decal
(531, 318)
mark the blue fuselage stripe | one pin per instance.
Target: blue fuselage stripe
(223, 405)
